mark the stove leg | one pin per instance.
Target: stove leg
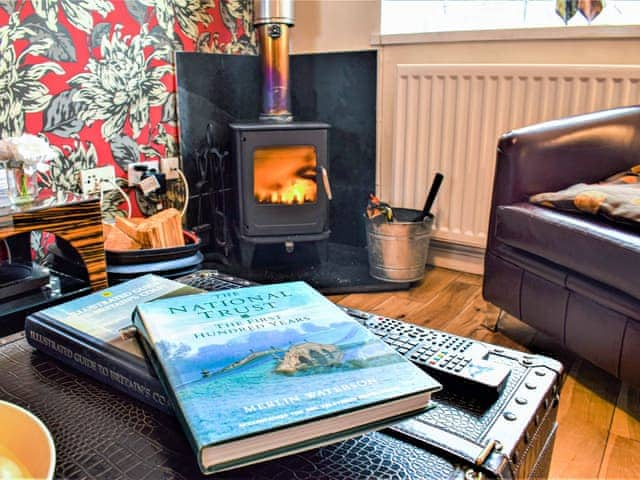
(246, 253)
(323, 250)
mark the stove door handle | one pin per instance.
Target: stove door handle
(325, 182)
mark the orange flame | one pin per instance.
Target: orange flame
(285, 175)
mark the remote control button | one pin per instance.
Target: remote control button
(521, 401)
(439, 351)
(510, 416)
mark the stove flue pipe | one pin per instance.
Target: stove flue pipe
(272, 19)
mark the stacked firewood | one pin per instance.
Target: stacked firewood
(162, 230)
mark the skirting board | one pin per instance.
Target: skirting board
(456, 257)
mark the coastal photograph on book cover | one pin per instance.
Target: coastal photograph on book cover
(252, 360)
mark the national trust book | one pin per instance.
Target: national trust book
(265, 371)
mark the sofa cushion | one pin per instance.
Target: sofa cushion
(617, 198)
(585, 245)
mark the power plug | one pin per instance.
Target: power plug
(136, 170)
(153, 183)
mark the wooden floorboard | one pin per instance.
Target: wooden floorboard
(622, 456)
(435, 280)
(364, 301)
(587, 403)
(626, 421)
(599, 418)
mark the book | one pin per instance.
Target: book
(266, 371)
(85, 333)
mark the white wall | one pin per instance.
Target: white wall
(334, 25)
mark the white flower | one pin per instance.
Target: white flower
(32, 151)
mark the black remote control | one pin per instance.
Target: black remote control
(447, 357)
(212, 280)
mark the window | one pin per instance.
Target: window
(418, 16)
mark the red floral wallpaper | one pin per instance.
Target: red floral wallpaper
(97, 76)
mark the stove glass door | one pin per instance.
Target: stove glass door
(285, 175)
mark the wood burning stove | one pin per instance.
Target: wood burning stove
(281, 179)
(281, 166)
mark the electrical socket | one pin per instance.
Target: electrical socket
(168, 167)
(93, 179)
(134, 176)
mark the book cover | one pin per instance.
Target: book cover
(85, 334)
(272, 362)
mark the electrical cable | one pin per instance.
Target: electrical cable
(122, 192)
(8, 250)
(186, 191)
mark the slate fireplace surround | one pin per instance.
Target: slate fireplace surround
(338, 89)
(334, 88)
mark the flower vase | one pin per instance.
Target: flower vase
(22, 186)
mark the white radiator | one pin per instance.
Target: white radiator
(448, 118)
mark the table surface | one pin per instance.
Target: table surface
(100, 433)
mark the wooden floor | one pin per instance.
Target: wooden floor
(599, 417)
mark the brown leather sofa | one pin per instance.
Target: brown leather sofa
(573, 277)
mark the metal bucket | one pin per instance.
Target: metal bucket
(398, 251)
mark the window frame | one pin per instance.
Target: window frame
(531, 33)
(517, 32)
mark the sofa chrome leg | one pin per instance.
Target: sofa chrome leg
(493, 325)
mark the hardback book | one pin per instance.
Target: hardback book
(266, 371)
(85, 333)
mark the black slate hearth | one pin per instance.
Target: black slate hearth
(345, 271)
